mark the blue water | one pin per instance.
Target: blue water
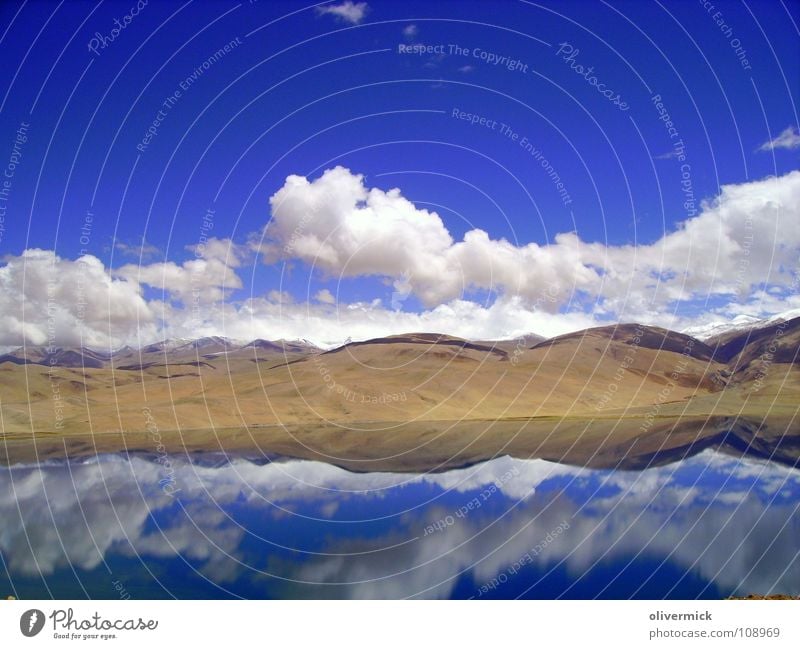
(135, 527)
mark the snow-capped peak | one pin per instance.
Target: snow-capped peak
(168, 345)
(741, 322)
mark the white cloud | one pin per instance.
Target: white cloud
(741, 239)
(740, 253)
(208, 280)
(49, 300)
(141, 250)
(339, 226)
(325, 296)
(45, 299)
(224, 250)
(348, 11)
(279, 297)
(410, 31)
(327, 325)
(209, 277)
(788, 139)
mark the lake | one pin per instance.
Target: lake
(211, 526)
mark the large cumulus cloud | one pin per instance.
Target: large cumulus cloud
(745, 237)
(45, 299)
(739, 254)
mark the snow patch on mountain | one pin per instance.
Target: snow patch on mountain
(741, 322)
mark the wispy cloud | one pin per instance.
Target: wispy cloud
(666, 156)
(788, 139)
(142, 250)
(348, 11)
(410, 31)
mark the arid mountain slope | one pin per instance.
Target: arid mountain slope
(604, 386)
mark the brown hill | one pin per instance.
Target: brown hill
(635, 335)
(625, 393)
(778, 342)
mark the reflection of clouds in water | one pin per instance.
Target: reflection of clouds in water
(54, 501)
(205, 535)
(722, 544)
(101, 493)
(657, 512)
(284, 481)
(107, 493)
(770, 477)
(720, 535)
(430, 566)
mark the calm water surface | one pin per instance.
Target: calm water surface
(216, 527)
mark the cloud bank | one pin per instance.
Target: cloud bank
(744, 238)
(739, 253)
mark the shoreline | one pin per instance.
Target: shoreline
(599, 443)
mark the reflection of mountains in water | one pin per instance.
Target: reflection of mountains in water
(623, 395)
(707, 526)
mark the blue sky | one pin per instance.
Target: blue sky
(302, 89)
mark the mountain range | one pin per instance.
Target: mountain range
(622, 395)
